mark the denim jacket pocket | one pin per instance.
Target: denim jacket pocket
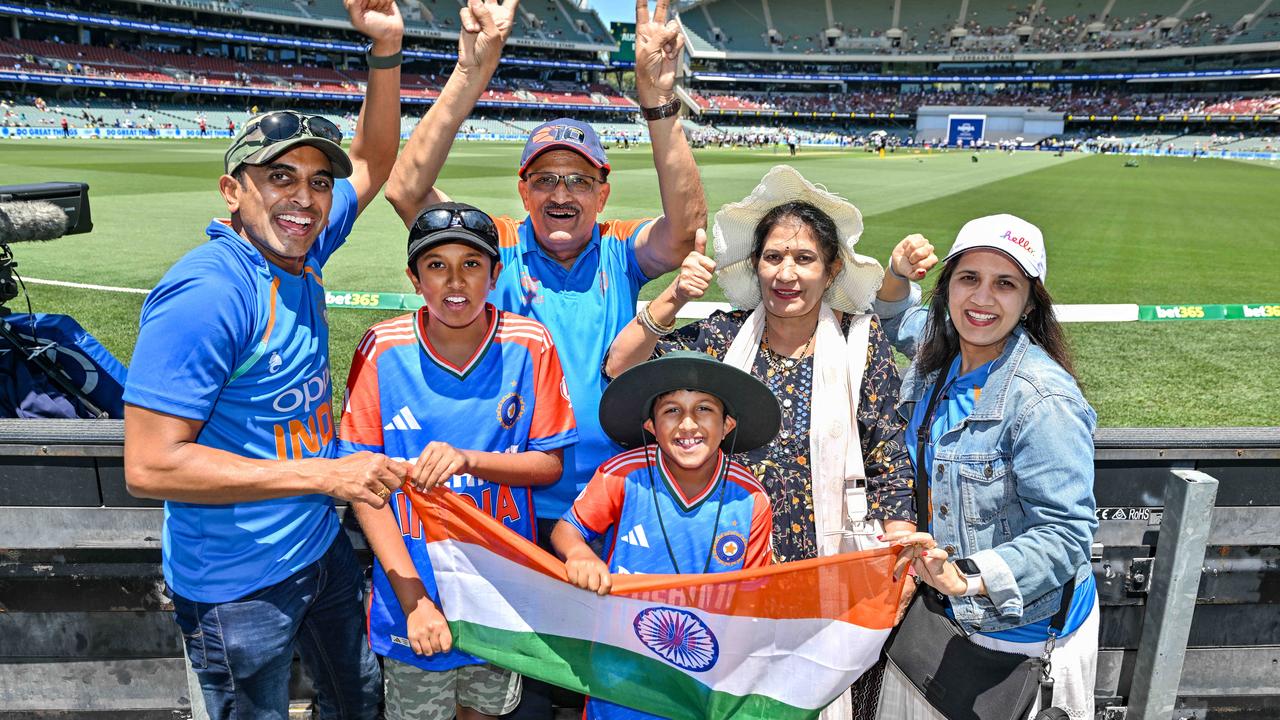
(986, 488)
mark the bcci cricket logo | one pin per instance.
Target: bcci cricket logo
(729, 547)
(510, 409)
(678, 637)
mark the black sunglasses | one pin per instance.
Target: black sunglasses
(433, 221)
(286, 125)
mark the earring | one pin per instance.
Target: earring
(1024, 316)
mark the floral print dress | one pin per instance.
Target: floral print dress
(783, 466)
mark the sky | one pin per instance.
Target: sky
(616, 10)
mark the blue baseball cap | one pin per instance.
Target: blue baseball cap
(564, 134)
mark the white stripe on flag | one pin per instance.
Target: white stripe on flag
(757, 655)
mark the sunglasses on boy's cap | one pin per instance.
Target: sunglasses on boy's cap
(564, 134)
(452, 222)
(266, 137)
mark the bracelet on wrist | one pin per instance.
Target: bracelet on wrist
(646, 319)
(382, 62)
(894, 273)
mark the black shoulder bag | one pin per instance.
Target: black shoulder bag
(961, 680)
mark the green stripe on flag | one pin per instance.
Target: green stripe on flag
(611, 673)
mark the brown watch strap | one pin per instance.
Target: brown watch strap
(662, 111)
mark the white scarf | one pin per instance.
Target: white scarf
(835, 448)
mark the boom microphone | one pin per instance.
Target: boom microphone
(43, 211)
(31, 221)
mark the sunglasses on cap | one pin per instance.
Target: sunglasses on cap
(286, 125)
(438, 219)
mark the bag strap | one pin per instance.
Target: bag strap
(923, 508)
(1059, 619)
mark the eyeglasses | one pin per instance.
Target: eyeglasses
(433, 221)
(286, 125)
(547, 181)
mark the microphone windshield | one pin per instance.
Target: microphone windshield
(31, 221)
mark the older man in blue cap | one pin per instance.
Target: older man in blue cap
(575, 274)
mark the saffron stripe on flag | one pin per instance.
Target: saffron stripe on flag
(681, 646)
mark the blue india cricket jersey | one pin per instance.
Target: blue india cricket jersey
(651, 526)
(510, 396)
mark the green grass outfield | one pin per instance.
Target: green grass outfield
(1170, 231)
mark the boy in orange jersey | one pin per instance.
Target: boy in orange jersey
(682, 506)
(478, 397)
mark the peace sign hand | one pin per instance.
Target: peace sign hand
(486, 25)
(658, 45)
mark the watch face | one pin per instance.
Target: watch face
(967, 567)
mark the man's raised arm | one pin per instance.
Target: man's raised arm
(486, 25)
(662, 245)
(373, 149)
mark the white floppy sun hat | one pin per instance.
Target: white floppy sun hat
(853, 290)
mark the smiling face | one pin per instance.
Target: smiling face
(563, 221)
(282, 206)
(454, 279)
(689, 427)
(986, 296)
(791, 270)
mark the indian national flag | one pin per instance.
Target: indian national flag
(770, 643)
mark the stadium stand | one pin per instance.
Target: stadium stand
(929, 26)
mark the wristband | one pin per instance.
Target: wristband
(382, 62)
(895, 272)
(662, 111)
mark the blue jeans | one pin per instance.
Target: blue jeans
(242, 650)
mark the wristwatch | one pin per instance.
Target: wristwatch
(382, 62)
(971, 574)
(662, 111)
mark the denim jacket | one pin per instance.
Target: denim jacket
(1012, 485)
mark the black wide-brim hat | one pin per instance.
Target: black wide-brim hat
(628, 401)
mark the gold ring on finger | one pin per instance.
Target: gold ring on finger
(384, 492)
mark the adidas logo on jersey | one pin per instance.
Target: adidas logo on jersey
(404, 420)
(636, 537)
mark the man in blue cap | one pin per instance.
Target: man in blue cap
(561, 266)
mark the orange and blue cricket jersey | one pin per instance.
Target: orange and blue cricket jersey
(651, 526)
(584, 307)
(510, 396)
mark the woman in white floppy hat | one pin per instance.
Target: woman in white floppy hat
(837, 473)
(994, 411)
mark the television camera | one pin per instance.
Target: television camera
(34, 213)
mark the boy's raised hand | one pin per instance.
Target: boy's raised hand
(438, 462)
(588, 572)
(428, 630)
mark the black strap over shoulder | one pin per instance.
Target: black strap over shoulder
(924, 512)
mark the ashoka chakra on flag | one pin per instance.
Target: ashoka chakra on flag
(678, 637)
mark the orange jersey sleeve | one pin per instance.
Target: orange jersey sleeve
(553, 424)
(598, 506)
(760, 541)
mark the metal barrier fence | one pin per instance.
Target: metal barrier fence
(1187, 561)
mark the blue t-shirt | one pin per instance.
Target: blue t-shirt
(652, 527)
(959, 395)
(233, 341)
(584, 308)
(509, 397)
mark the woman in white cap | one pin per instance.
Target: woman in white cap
(838, 467)
(1001, 437)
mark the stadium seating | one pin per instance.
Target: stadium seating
(990, 25)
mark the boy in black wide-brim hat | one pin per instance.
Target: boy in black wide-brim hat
(682, 506)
